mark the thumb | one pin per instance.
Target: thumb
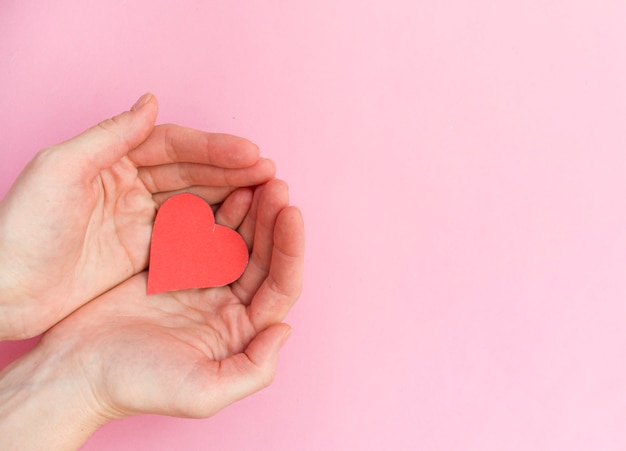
(104, 144)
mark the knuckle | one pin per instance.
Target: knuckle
(185, 174)
(46, 158)
(111, 128)
(267, 377)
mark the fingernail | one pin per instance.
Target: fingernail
(141, 101)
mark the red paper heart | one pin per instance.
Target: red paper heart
(189, 250)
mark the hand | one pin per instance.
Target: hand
(187, 353)
(78, 220)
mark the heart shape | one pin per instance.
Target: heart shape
(188, 250)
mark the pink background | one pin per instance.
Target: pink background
(461, 167)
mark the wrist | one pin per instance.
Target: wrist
(12, 296)
(9, 308)
(44, 404)
(16, 303)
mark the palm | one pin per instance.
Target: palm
(89, 236)
(158, 354)
(191, 352)
(74, 225)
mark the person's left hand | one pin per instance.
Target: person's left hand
(78, 220)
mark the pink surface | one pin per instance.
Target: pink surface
(461, 169)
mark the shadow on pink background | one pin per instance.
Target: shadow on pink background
(460, 166)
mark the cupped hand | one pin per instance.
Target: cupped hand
(192, 352)
(78, 219)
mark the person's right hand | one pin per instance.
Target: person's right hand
(78, 219)
(187, 353)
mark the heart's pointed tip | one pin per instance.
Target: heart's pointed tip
(151, 288)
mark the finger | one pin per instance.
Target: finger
(174, 144)
(103, 145)
(246, 229)
(175, 176)
(274, 198)
(234, 209)
(213, 195)
(240, 375)
(281, 289)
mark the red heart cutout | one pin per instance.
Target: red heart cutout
(188, 250)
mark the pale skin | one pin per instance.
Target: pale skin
(78, 220)
(187, 353)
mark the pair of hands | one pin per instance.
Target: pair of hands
(74, 241)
